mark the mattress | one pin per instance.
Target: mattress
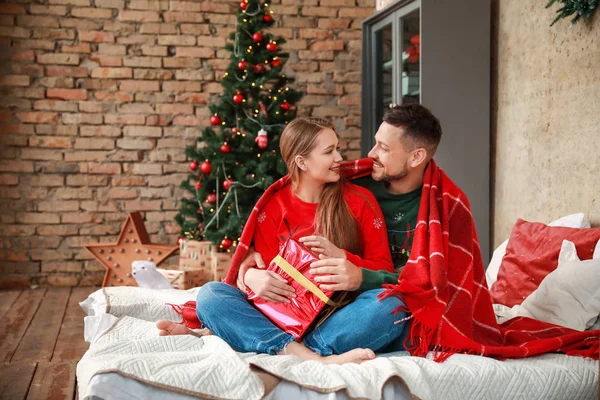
(127, 359)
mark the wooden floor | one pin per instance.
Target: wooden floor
(41, 341)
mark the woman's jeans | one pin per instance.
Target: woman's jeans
(364, 323)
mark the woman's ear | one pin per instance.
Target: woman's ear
(299, 160)
(418, 157)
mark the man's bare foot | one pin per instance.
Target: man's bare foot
(356, 356)
(167, 328)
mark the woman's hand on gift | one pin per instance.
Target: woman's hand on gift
(268, 285)
(336, 274)
(252, 260)
(321, 245)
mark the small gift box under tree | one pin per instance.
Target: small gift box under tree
(195, 255)
(184, 279)
(202, 256)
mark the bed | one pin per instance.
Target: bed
(128, 360)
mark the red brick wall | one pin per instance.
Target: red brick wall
(100, 97)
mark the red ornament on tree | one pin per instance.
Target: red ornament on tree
(215, 120)
(268, 18)
(227, 184)
(272, 47)
(257, 37)
(226, 243)
(243, 5)
(206, 167)
(285, 106)
(193, 165)
(225, 148)
(235, 130)
(242, 65)
(259, 68)
(211, 198)
(262, 140)
(238, 98)
(198, 185)
(276, 62)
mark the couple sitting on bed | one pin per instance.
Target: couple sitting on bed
(344, 223)
(420, 285)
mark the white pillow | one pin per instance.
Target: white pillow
(568, 296)
(569, 221)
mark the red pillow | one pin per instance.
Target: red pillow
(532, 253)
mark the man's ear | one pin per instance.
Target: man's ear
(299, 160)
(418, 157)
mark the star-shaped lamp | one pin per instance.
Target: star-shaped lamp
(133, 244)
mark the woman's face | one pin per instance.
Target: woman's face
(322, 164)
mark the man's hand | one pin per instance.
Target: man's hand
(253, 259)
(336, 274)
(269, 286)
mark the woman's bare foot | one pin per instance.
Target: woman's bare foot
(356, 356)
(167, 328)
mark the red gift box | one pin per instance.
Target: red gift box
(293, 263)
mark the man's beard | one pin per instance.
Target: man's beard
(397, 177)
(391, 178)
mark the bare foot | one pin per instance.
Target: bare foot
(167, 328)
(353, 356)
(356, 356)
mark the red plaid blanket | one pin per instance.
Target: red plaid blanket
(444, 288)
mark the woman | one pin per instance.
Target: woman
(317, 207)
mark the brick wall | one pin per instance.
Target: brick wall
(100, 97)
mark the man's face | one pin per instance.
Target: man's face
(390, 155)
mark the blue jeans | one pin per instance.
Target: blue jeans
(364, 323)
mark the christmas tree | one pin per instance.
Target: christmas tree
(237, 157)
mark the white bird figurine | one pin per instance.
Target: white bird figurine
(147, 276)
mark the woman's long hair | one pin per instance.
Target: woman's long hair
(334, 220)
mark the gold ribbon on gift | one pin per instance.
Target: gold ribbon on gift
(302, 280)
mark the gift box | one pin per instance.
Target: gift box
(219, 265)
(184, 279)
(310, 304)
(195, 255)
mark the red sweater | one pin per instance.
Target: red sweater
(286, 215)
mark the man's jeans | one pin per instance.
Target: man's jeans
(364, 323)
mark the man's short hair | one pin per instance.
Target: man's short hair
(420, 126)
